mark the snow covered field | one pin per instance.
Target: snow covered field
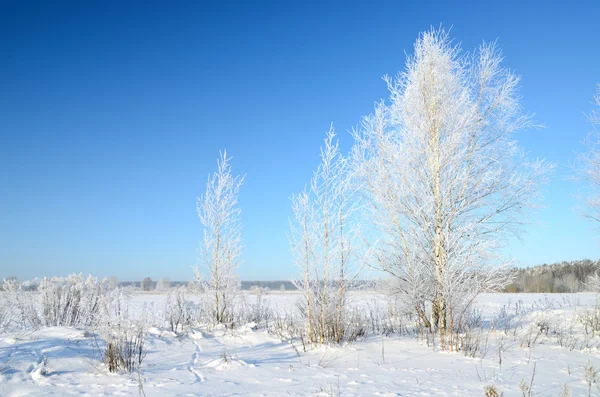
(525, 341)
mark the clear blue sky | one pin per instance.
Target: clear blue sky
(112, 116)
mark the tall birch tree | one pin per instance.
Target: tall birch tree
(447, 182)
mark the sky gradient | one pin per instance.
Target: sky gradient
(112, 116)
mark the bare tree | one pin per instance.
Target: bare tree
(113, 282)
(323, 241)
(588, 166)
(446, 181)
(163, 284)
(146, 284)
(221, 246)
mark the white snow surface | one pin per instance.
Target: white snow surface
(65, 361)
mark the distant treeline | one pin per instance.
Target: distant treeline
(271, 285)
(572, 276)
(569, 276)
(277, 285)
(246, 285)
(289, 286)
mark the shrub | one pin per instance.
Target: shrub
(23, 303)
(471, 336)
(257, 312)
(5, 315)
(180, 313)
(124, 337)
(73, 300)
(590, 319)
(591, 376)
(491, 391)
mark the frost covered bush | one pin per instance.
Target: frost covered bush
(72, 300)
(318, 315)
(5, 314)
(357, 322)
(503, 320)
(241, 309)
(382, 321)
(327, 318)
(286, 325)
(124, 336)
(204, 312)
(124, 349)
(179, 312)
(354, 327)
(590, 319)
(23, 303)
(258, 312)
(471, 337)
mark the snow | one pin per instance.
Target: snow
(65, 361)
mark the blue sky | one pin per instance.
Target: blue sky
(112, 116)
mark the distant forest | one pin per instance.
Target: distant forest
(284, 285)
(566, 276)
(571, 276)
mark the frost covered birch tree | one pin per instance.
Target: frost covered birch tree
(302, 246)
(446, 181)
(588, 165)
(221, 244)
(323, 242)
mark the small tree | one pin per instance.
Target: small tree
(221, 246)
(113, 282)
(146, 284)
(163, 284)
(322, 239)
(302, 244)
